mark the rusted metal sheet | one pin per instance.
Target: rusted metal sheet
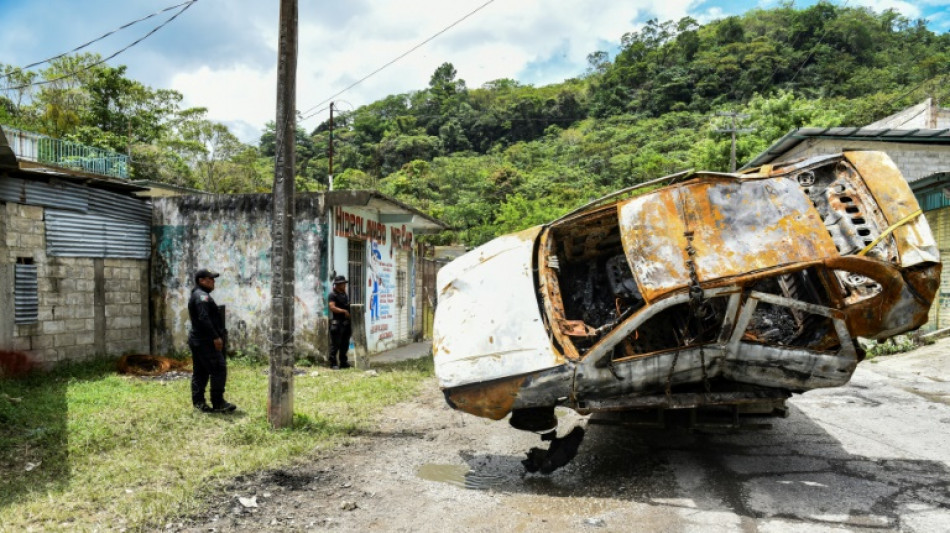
(738, 226)
(915, 241)
(493, 401)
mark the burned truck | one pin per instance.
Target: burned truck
(708, 290)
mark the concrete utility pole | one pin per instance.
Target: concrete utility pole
(733, 130)
(280, 401)
(330, 181)
(933, 111)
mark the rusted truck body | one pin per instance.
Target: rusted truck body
(714, 289)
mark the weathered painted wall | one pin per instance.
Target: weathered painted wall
(86, 306)
(232, 235)
(384, 244)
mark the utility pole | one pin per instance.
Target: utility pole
(733, 130)
(933, 111)
(280, 401)
(331, 148)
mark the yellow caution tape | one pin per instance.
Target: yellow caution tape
(890, 230)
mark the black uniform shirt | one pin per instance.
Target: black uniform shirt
(205, 318)
(342, 301)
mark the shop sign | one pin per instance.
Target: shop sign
(356, 227)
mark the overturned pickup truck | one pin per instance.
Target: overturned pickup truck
(715, 289)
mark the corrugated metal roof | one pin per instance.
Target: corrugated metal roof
(794, 137)
(45, 194)
(70, 234)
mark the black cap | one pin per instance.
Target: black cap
(339, 279)
(205, 273)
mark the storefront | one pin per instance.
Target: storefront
(374, 246)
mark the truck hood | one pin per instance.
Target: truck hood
(487, 322)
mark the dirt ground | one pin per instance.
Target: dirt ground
(870, 456)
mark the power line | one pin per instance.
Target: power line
(101, 61)
(307, 113)
(914, 89)
(103, 36)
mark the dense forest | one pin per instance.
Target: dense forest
(506, 155)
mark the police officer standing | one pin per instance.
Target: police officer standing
(206, 341)
(340, 328)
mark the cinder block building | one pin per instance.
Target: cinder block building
(918, 141)
(74, 250)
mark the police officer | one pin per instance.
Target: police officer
(340, 329)
(206, 341)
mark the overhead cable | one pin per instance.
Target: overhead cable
(103, 36)
(101, 61)
(308, 112)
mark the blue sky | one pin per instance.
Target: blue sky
(221, 54)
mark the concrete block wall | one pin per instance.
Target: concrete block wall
(87, 306)
(915, 160)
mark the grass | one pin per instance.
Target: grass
(895, 345)
(86, 448)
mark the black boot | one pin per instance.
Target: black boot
(224, 407)
(218, 405)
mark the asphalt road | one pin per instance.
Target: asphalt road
(871, 456)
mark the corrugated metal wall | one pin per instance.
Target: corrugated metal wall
(112, 205)
(86, 222)
(70, 234)
(60, 195)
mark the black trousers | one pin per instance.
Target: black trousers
(209, 365)
(339, 343)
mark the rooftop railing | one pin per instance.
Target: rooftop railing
(29, 146)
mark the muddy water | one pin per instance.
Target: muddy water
(459, 476)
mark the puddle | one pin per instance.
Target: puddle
(459, 475)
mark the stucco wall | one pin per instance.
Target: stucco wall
(914, 160)
(86, 306)
(232, 235)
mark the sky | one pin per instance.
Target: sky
(222, 54)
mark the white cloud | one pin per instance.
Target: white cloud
(235, 93)
(908, 9)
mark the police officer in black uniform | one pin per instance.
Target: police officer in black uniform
(206, 341)
(340, 329)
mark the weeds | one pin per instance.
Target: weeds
(85, 448)
(895, 345)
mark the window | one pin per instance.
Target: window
(25, 292)
(356, 251)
